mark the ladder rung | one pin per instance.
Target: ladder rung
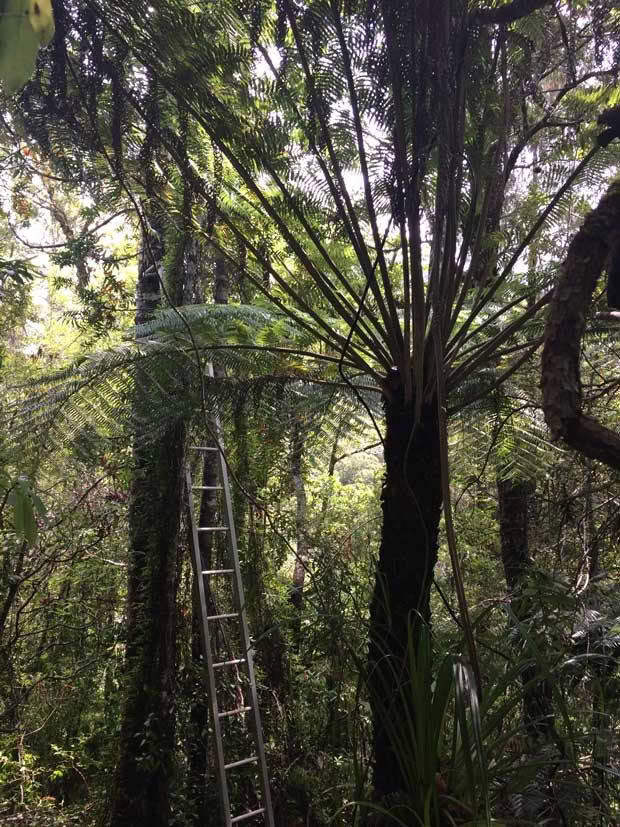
(251, 760)
(247, 715)
(242, 817)
(228, 662)
(238, 711)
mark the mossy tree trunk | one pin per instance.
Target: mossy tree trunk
(513, 499)
(146, 768)
(298, 440)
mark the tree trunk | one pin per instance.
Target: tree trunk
(272, 650)
(592, 538)
(513, 529)
(594, 247)
(299, 570)
(513, 497)
(146, 768)
(145, 771)
(411, 501)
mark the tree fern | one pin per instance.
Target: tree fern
(92, 394)
(427, 146)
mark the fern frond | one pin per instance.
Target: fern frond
(97, 394)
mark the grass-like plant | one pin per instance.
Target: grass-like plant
(435, 704)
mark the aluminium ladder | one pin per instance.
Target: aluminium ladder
(231, 678)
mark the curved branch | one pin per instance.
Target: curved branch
(509, 12)
(560, 372)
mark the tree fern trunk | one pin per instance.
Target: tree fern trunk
(146, 769)
(513, 497)
(299, 569)
(411, 501)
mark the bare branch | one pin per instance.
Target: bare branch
(609, 316)
(508, 13)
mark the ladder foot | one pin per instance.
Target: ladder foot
(263, 812)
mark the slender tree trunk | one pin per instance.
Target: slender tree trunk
(513, 498)
(592, 539)
(272, 652)
(299, 570)
(534, 246)
(336, 725)
(146, 768)
(411, 501)
(513, 529)
(600, 728)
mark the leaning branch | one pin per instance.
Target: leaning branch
(560, 373)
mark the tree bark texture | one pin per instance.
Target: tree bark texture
(513, 497)
(299, 571)
(411, 503)
(509, 12)
(588, 253)
(146, 768)
(513, 529)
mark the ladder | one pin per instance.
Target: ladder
(227, 649)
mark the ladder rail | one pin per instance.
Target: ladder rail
(245, 657)
(245, 633)
(208, 654)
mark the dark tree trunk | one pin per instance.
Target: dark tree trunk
(299, 570)
(513, 498)
(594, 247)
(411, 501)
(513, 529)
(146, 768)
(145, 771)
(593, 539)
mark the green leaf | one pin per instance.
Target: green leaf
(25, 504)
(24, 26)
